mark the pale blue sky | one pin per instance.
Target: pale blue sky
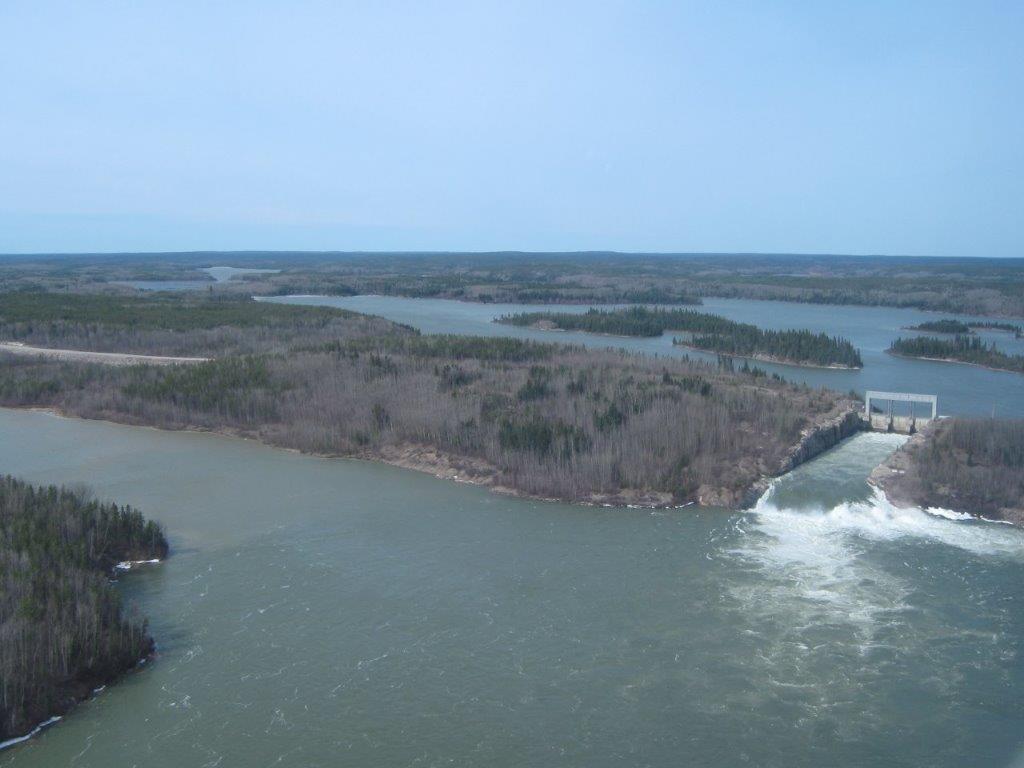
(859, 127)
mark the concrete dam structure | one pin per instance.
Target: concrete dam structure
(888, 420)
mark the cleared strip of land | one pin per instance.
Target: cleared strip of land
(84, 356)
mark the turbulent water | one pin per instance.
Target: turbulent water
(321, 612)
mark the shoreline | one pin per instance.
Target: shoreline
(74, 701)
(555, 329)
(815, 438)
(675, 343)
(595, 303)
(769, 359)
(887, 475)
(82, 691)
(952, 360)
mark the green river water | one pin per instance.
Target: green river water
(319, 612)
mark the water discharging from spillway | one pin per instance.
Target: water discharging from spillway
(824, 541)
(320, 612)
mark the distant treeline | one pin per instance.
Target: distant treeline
(711, 333)
(959, 327)
(960, 286)
(462, 288)
(1016, 330)
(970, 465)
(62, 632)
(172, 324)
(942, 326)
(992, 287)
(544, 419)
(964, 349)
(633, 321)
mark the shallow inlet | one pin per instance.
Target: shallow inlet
(316, 608)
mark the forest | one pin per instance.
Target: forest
(546, 420)
(942, 326)
(961, 328)
(173, 324)
(62, 628)
(964, 286)
(969, 465)
(1016, 330)
(963, 349)
(707, 332)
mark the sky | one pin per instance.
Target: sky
(798, 127)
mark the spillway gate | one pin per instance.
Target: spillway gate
(889, 420)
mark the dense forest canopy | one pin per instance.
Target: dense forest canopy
(173, 324)
(62, 631)
(964, 349)
(942, 326)
(711, 333)
(959, 327)
(168, 312)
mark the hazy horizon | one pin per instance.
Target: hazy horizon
(788, 128)
(499, 252)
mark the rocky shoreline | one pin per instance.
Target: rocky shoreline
(815, 439)
(897, 479)
(78, 692)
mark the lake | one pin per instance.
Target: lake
(962, 389)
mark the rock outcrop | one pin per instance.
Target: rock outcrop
(814, 441)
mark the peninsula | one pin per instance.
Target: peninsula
(536, 419)
(968, 466)
(64, 631)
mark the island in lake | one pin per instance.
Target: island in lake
(960, 349)
(706, 332)
(959, 327)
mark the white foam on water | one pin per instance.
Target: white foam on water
(30, 734)
(949, 514)
(818, 567)
(127, 565)
(807, 535)
(831, 606)
(812, 567)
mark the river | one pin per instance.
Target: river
(320, 612)
(962, 389)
